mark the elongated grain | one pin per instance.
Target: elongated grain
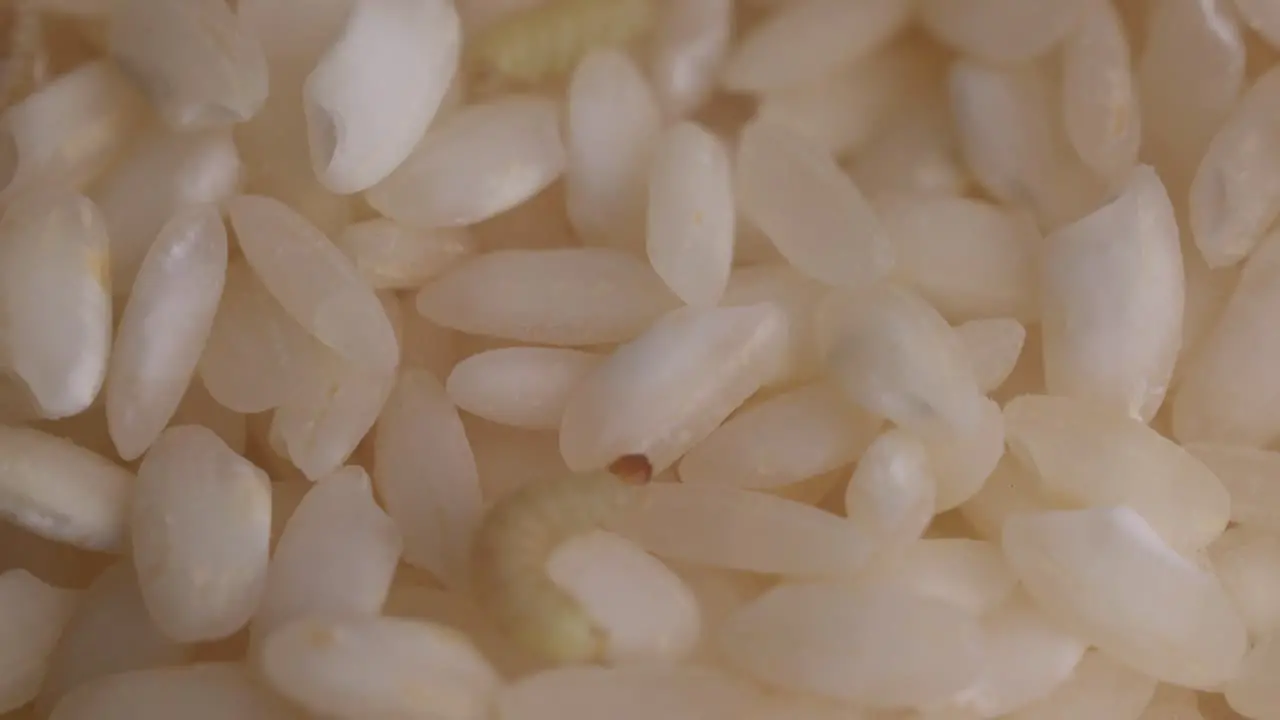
(55, 294)
(337, 555)
(788, 438)
(1089, 456)
(381, 667)
(691, 220)
(475, 164)
(613, 122)
(426, 474)
(1112, 298)
(878, 647)
(193, 60)
(165, 326)
(1104, 573)
(314, 282)
(377, 87)
(32, 619)
(521, 386)
(200, 526)
(661, 393)
(813, 213)
(569, 296)
(737, 529)
(61, 491)
(970, 258)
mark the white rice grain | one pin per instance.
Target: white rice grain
(200, 527)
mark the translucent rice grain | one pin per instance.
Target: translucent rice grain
(478, 162)
(31, 620)
(814, 214)
(895, 355)
(194, 61)
(691, 214)
(1248, 563)
(915, 154)
(391, 256)
(314, 282)
(200, 525)
(326, 414)
(993, 346)
(254, 350)
(68, 131)
(1100, 689)
(629, 692)
(1236, 195)
(425, 473)
(965, 458)
(1011, 489)
(878, 647)
(1249, 476)
(1026, 658)
(1112, 298)
(164, 171)
(790, 437)
(1190, 74)
(743, 530)
(1002, 122)
(61, 491)
(1088, 457)
(841, 110)
(1104, 573)
(665, 391)
(110, 632)
(206, 691)
(1253, 693)
(892, 492)
(796, 294)
(569, 296)
(644, 610)
(520, 386)
(55, 294)
(691, 42)
(1001, 31)
(613, 122)
(164, 327)
(970, 258)
(1228, 393)
(809, 38)
(969, 574)
(336, 557)
(375, 90)
(382, 667)
(1099, 95)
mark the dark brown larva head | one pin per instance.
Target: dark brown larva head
(632, 469)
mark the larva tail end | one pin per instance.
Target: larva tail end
(632, 469)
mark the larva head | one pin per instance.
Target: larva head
(632, 469)
(567, 635)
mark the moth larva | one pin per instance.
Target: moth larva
(546, 41)
(516, 539)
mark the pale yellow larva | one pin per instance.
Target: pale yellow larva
(517, 537)
(546, 41)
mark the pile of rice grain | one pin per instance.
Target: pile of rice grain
(949, 331)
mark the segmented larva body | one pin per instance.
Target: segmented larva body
(517, 537)
(548, 40)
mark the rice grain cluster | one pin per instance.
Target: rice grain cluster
(640, 359)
